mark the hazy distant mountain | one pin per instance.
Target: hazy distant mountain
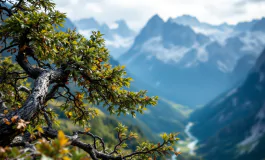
(233, 125)
(188, 20)
(123, 29)
(245, 26)
(88, 23)
(118, 40)
(259, 26)
(164, 55)
(184, 63)
(194, 22)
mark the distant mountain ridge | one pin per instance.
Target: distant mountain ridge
(174, 57)
(86, 23)
(194, 22)
(245, 26)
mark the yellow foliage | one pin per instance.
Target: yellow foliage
(87, 129)
(5, 111)
(62, 139)
(66, 158)
(40, 129)
(94, 68)
(69, 114)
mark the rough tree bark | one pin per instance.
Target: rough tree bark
(35, 100)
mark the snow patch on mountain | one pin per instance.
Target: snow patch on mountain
(223, 67)
(155, 47)
(120, 42)
(216, 34)
(173, 53)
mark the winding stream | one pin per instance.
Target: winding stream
(193, 140)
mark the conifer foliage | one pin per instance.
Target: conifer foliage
(38, 64)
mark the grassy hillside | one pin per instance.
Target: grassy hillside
(103, 126)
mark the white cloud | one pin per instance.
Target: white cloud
(137, 12)
(94, 7)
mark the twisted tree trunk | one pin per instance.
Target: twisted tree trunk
(31, 107)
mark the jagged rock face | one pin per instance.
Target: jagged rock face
(233, 125)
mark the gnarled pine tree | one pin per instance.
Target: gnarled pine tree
(42, 62)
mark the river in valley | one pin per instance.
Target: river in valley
(192, 141)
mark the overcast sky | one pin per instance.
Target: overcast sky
(137, 12)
